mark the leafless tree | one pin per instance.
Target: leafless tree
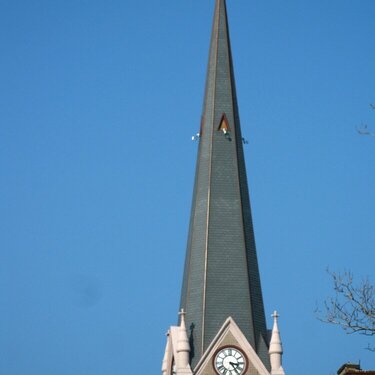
(352, 307)
(363, 129)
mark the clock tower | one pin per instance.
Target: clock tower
(222, 326)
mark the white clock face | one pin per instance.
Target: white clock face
(230, 361)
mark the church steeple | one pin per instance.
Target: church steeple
(221, 277)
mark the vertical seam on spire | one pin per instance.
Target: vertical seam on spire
(236, 139)
(209, 181)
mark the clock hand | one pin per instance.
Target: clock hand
(235, 368)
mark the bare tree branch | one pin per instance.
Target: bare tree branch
(363, 129)
(352, 307)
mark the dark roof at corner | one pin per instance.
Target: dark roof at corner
(353, 369)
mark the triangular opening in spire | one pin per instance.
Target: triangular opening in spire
(224, 124)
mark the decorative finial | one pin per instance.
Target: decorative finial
(183, 347)
(182, 314)
(276, 348)
(164, 367)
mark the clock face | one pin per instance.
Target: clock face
(230, 361)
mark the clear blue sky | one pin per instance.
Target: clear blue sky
(98, 102)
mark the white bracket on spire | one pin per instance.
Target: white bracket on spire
(196, 137)
(226, 133)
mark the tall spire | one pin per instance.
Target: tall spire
(221, 276)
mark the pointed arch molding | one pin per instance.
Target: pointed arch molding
(224, 123)
(230, 335)
(170, 350)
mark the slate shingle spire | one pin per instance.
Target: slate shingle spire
(221, 276)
